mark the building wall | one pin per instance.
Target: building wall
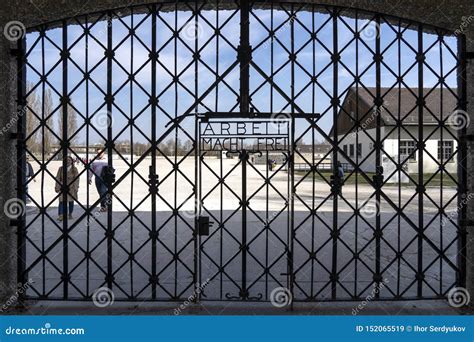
(391, 148)
(363, 138)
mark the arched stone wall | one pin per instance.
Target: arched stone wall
(456, 16)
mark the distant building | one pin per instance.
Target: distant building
(317, 154)
(398, 143)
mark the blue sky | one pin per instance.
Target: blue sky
(226, 100)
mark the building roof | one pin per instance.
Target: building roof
(402, 100)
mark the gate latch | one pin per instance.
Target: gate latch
(203, 225)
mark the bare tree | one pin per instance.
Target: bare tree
(48, 108)
(33, 109)
(71, 125)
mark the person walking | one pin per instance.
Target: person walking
(99, 168)
(29, 173)
(270, 165)
(340, 176)
(72, 181)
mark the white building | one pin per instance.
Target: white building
(399, 144)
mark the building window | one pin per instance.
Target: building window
(407, 150)
(359, 150)
(351, 150)
(344, 148)
(445, 150)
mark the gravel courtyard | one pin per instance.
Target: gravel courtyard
(220, 258)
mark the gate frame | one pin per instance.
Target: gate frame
(244, 60)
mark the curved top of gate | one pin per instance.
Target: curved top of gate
(169, 6)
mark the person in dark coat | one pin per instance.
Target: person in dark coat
(72, 182)
(96, 170)
(29, 173)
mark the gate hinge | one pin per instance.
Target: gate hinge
(15, 222)
(466, 223)
(467, 137)
(15, 52)
(16, 136)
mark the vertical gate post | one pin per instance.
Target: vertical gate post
(468, 75)
(244, 55)
(9, 79)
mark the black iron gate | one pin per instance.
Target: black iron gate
(247, 253)
(367, 195)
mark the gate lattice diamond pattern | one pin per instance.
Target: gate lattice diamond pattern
(382, 97)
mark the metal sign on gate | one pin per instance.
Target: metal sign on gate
(251, 135)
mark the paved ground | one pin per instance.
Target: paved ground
(220, 255)
(422, 307)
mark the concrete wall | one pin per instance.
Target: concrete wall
(453, 15)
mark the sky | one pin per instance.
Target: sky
(131, 100)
